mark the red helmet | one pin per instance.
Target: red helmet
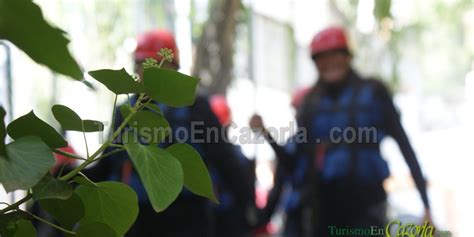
(150, 43)
(220, 107)
(329, 39)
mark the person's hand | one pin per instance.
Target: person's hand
(256, 123)
(427, 217)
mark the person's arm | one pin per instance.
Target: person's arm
(274, 196)
(284, 166)
(283, 156)
(220, 153)
(394, 128)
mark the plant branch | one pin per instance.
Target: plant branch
(85, 177)
(116, 145)
(113, 113)
(109, 141)
(85, 139)
(16, 204)
(87, 161)
(70, 155)
(49, 223)
(110, 153)
(61, 170)
(161, 62)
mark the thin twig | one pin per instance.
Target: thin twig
(16, 204)
(91, 158)
(50, 223)
(116, 145)
(110, 153)
(85, 139)
(61, 170)
(70, 155)
(161, 62)
(112, 127)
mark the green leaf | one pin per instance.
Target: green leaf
(69, 120)
(118, 81)
(30, 125)
(22, 23)
(95, 229)
(153, 107)
(159, 171)
(82, 179)
(170, 87)
(67, 212)
(24, 228)
(29, 158)
(3, 133)
(49, 187)
(196, 175)
(112, 203)
(9, 223)
(153, 127)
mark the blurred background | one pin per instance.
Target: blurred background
(256, 52)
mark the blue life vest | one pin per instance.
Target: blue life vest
(332, 121)
(355, 107)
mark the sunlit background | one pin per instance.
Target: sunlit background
(424, 50)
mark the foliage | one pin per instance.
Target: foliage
(42, 42)
(414, 40)
(80, 206)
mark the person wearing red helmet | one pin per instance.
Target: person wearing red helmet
(221, 108)
(231, 220)
(149, 43)
(189, 215)
(338, 173)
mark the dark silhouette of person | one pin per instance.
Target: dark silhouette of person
(338, 173)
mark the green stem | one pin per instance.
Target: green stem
(16, 204)
(113, 113)
(85, 139)
(87, 161)
(161, 62)
(61, 170)
(110, 153)
(116, 145)
(70, 155)
(50, 223)
(85, 177)
(109, 141)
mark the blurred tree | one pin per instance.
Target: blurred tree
(427, 35)
(382, 9)
(215, 49)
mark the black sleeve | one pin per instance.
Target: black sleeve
(274, 195)
(284, 158)
(219, 153)
(394, 128)
(284, 165)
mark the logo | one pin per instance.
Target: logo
(393, 229)
(409, 230)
